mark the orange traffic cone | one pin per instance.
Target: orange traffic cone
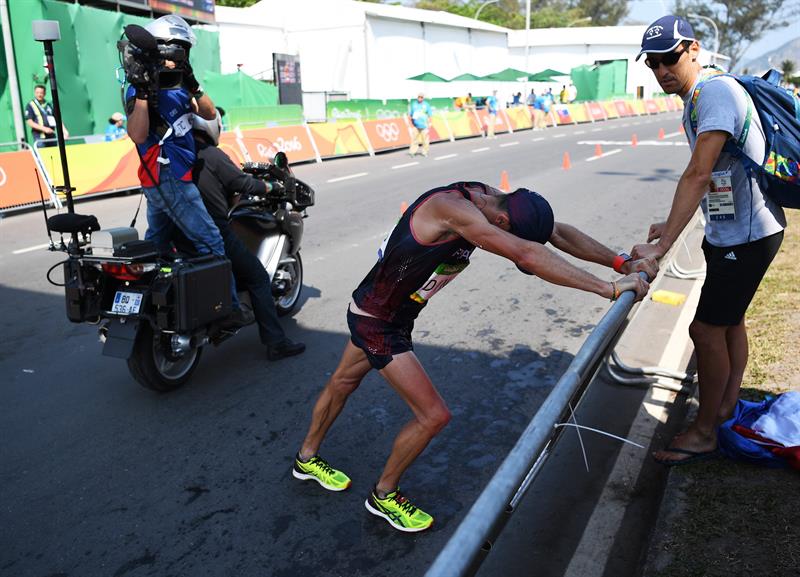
(598, 150)
(661, 134)
(566, 165)
(504, 186)
(403, 207)
(634, 140)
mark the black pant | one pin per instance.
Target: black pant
(252, 277)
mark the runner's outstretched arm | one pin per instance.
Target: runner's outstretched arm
(468, 222)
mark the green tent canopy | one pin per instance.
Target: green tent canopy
(427, 77)
(239, 89)
(465, 76)
(507, 75)
(547, 75)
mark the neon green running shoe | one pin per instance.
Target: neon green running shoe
(320, 471)
(399, 512)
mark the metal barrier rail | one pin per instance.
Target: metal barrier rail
(474, 537)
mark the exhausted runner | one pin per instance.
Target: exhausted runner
(430, 245)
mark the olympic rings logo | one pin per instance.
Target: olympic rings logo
(3, 176)
(389, 132)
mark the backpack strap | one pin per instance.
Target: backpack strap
(740, 141)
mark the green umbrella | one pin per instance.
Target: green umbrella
(465, 76)
(548, 74)
(507, 75)
(427, 77)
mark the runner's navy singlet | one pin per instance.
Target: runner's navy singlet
(408, 273)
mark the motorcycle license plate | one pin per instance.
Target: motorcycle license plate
(126, 303)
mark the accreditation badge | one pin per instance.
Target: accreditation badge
(720, 196)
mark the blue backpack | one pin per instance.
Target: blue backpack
(778, 173)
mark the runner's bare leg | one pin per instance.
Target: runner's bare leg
(407, 376)
(352, 368)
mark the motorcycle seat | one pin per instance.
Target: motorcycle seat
(68, 223)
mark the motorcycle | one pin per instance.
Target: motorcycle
(159, 311)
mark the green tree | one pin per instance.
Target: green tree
(236, 3)
(788, 68)
(740, 22)
(603, 12)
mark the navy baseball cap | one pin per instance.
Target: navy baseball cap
(530, 215)
(665, 34)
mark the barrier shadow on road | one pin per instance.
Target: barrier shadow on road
(102, 477)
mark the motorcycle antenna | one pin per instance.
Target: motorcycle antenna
(44, 210)
(47, 32)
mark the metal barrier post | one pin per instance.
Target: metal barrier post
(462, 554)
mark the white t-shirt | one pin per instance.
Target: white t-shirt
(723, 105)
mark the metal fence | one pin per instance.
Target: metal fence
(473, 539)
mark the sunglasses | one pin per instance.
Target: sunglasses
(669, 59)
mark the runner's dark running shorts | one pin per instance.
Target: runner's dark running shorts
(733, 274)
(378, 339)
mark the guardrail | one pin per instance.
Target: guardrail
(474, 537)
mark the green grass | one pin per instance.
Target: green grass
(740, 520)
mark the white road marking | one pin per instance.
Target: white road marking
(609, 153)
(628, 143)
(485, 148)
(626, 125)
(509, 144)
(445, 156)
(348, 177)
(396, 166)
(559, 136)
(580, 132)
(596, 129)
(31, 248)
(537, 139)
(672, 134)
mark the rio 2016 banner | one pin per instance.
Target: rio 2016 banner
(339, 138)
(262, 144)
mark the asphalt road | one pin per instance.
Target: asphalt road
(100, 477)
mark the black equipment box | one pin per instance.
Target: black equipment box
(202, 292)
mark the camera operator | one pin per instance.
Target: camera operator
(219, 181)
(161, 100)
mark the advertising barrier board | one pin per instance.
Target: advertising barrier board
(387, 133)
(18, 175)
(262, 144)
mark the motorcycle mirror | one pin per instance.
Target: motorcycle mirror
(281, 161)
(141, 38)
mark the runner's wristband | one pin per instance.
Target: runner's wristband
(620, 260)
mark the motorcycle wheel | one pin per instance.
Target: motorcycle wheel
(285, 304)
(152, 365)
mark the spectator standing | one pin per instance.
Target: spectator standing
(517, 100)
(116, 127)
(491, 118)
(420, 113)
(564, 95)
(39, 116)
(743, 230)
(531, 98)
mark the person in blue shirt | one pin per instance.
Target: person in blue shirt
(541, 109)
(420, 113)
(116, 127)
(491, 108)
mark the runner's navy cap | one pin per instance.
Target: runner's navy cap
(530, 216)
(665, 34)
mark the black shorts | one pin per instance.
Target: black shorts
(733, 274)
(378, 339)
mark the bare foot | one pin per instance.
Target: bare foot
(688, 446)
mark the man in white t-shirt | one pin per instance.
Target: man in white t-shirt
(744, 228)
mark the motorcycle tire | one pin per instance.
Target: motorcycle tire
(285, 304)
(153, 367)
